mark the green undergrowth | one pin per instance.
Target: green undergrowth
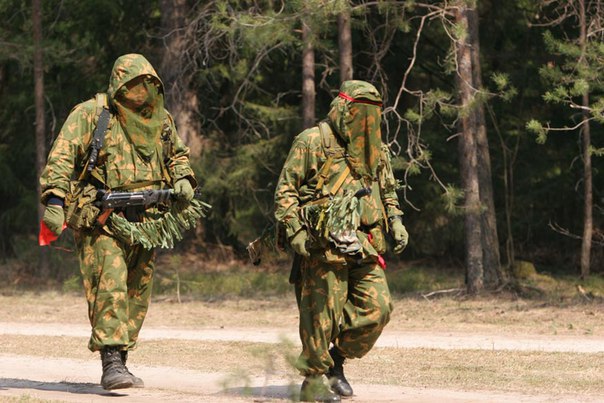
(191, 277)
(250, 281)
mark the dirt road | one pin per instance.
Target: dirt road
(69, 380)
(43, 355)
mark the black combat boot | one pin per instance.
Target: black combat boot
(115, 375)
(337, 380)
(136, 381)
(315, 388)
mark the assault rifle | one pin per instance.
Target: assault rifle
(109, 201)
(271, 240)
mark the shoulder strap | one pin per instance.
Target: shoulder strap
(332, 150)
(331, 146)
(98, 138)
(326, 145)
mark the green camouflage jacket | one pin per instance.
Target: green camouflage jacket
(300, 174)
(359, 160)
(118, 163)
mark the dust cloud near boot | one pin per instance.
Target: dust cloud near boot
(316, 389)
(115, 375)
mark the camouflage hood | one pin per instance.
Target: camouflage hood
(356, 117)
(136, 93)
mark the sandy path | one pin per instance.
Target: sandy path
(76, 381)
(68, 380)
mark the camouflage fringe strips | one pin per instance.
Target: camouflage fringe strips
(343, 213)
(163, 232)
(336, 221)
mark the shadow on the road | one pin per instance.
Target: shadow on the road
(70, 387)
(269, 392)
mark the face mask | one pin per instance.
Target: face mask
(140, 107)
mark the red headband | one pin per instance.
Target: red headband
(359, 101)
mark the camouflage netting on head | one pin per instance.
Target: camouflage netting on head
(160, 233)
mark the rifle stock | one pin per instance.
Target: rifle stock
(102, 218)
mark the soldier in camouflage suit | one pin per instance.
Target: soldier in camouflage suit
(342, 292)
(117, 276)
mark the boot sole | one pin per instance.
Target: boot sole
(118, 385)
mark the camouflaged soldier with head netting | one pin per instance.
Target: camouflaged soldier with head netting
(336, 197)
(141, 151)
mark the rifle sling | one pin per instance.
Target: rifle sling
(97, 143)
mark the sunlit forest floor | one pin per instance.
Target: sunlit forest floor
(219, 275)
(223, 323)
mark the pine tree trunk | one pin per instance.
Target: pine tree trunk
(587, 174)
(490, 240)
(468, 161)
(345, 46)
(308, 78)
(181, 100)
(43, 264)
(588, 196)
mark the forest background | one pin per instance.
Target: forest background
(493, 111)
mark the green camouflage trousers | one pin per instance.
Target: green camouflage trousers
(347, 305)
(117, 280)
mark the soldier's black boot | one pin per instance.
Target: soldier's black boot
(316, 389)
(136, 381)
(336, 377)
(115, 375)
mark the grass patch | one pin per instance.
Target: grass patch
(234, 282)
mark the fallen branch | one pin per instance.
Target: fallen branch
(450, 290)
(585, 294)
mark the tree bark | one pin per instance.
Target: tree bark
(587, 170)
(43, 264)
(181, 100)
(2, 78)
(308, 78)
(345, 46)
(468, 160)
(493, 275)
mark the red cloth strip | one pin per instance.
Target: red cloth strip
(359, 101)
(46, 236)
